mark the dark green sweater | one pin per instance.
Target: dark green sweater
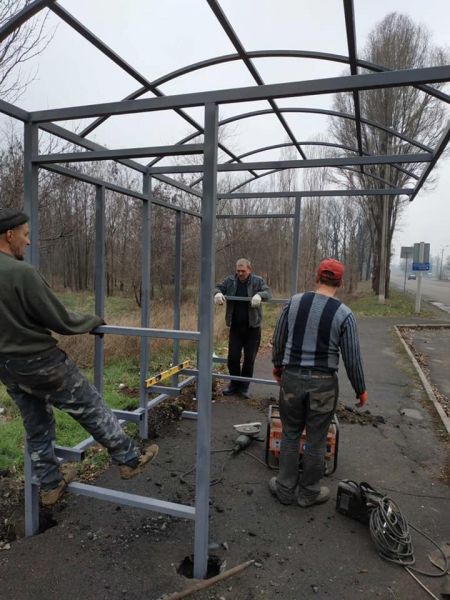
(29, 310)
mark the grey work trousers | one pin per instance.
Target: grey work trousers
(39, 382)
(307, 401)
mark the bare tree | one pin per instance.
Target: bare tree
(22, 45)
(396, 43)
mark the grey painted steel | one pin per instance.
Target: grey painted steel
(100, 281)
(31, 191)
(232, 36)
(177, 290)
(148, 332)
(175, 150)
(303, 164)
(319, 193)
(232, 377)
(144, 353)
(339, 114)
(135, 416)
(31, 9)
(189, 414)
(296, 246)
(31, 496)
(442, 144)
(163, 389)
(14, 111)
(133, 500)
(313, 87)
(353, 61)
(69, 454)
(258, 216)
(114, 188)
(155, 401)
(118, 60)
(205, 345)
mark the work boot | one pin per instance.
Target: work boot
(127, 471)
(51, 497)
(321, 497)
(243, 392)
(231, 390)
(274, 491)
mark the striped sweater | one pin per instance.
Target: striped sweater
(311, 332)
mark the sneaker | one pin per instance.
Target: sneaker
(127, 471)
(51, 497)
(230, 391)
(244, 394)
(274, 491)
(321, 497)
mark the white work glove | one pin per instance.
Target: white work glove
(219, 298)
(256, 301)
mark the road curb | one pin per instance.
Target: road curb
(429, 390)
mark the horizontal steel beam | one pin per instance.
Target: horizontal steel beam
(176, 150)
(263, 216)
(14, 111)
(115, 188)
(302, 164)
(171, 334)
(69, 454)
(135, 416)
(320, 193)
(133, 500)
(313, 87)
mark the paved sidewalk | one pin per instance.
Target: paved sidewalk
(98, 551)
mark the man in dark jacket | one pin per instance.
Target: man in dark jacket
(311, 332)
(243, 317)
(38, 375)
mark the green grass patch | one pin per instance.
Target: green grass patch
(84, 302)
(366, 304)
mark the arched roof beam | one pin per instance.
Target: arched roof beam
(304, 143)
(234, 39)
(148, 86)
(259, 176)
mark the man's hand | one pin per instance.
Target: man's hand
(219, 298)
(363, 399)
(277, 372)
(256, 301)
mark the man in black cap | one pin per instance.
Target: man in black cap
(38, 375)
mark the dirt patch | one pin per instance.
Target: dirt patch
(348, 414)
(425, 359)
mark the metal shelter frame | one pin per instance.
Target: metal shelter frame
(210, 101)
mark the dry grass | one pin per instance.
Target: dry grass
(81, 347)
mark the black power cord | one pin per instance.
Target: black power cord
(389, 528)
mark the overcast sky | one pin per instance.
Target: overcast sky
(157, 37)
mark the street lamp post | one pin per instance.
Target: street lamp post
(441, 274)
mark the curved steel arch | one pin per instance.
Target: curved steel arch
(303, 143)
(271, 172)
(211, 62)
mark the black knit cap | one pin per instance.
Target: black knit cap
(10, 218)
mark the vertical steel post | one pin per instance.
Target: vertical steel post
(205, 345)
(145, 299)
(100, 273)
(296, 245)
(31, 205)
(383, 253)
(177, 291)
(31, 195)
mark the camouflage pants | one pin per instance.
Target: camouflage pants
(39, 382)
(307, 401)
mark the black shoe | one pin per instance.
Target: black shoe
(230, 391)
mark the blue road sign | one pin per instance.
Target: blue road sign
(416, 266)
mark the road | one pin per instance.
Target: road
(433, 290)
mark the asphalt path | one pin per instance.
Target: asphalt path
(432, 290)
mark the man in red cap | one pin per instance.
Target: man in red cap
(313, 329)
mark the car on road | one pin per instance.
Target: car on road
(412, 276)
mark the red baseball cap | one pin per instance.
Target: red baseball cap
(331, 269)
